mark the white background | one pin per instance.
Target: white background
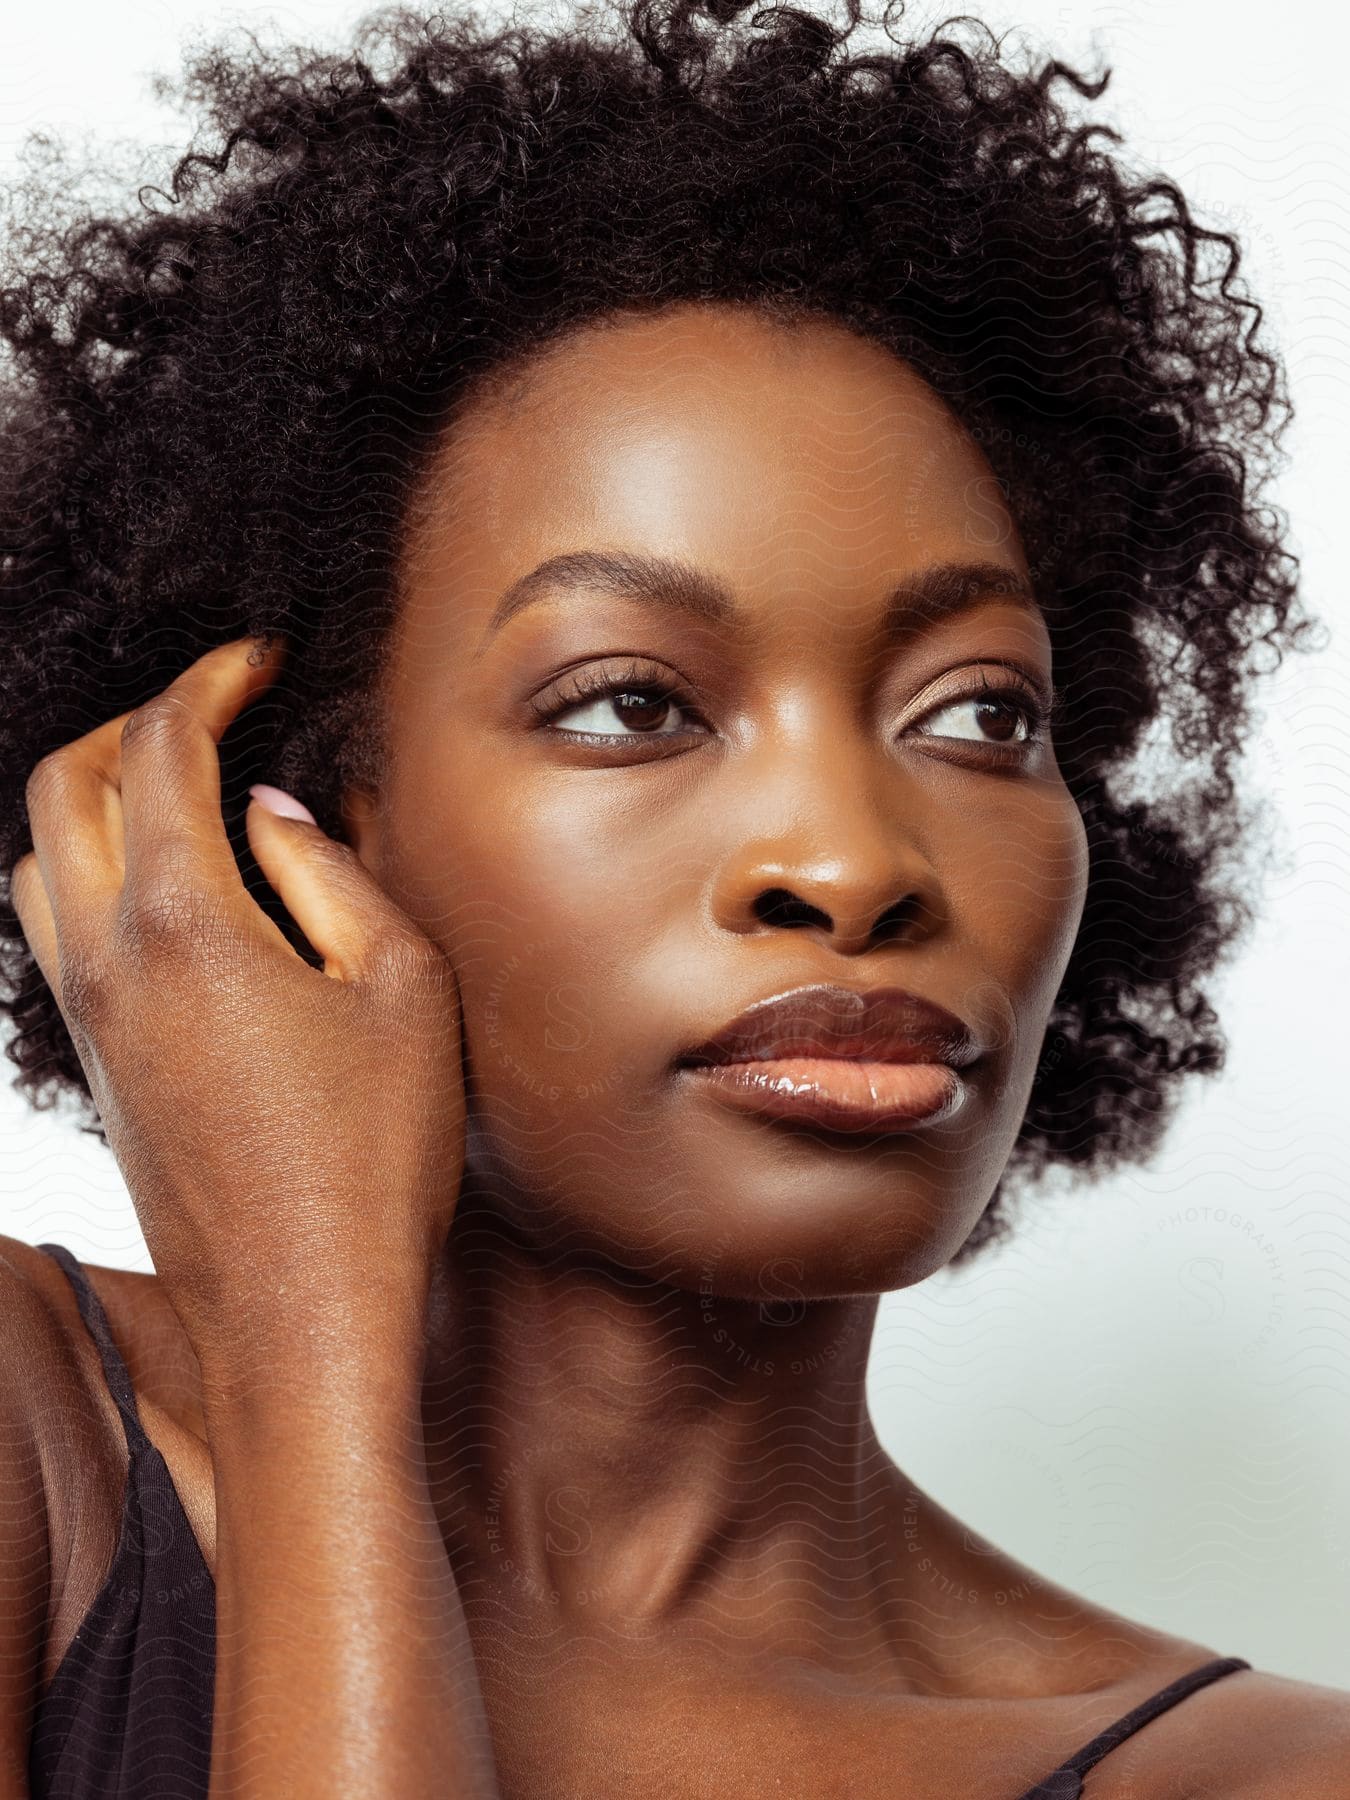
(1144, 1396)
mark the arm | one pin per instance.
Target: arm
(343, 1664)
(249, 1097)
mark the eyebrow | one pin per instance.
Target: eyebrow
(923, 599)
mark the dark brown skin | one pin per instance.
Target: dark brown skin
(686, 1564)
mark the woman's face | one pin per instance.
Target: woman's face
(828, 798)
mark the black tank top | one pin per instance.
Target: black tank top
(127, 1715)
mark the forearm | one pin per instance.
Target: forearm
(343, 1666)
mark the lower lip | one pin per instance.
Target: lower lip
(830, 1091)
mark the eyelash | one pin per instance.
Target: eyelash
(593, 684)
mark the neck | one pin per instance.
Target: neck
(629, 1453)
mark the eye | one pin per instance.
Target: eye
(1005, 718)
(634, 702)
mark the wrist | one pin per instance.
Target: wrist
(317, 1361)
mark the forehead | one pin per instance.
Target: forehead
(787, 456)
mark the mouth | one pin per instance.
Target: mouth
(843, 1058)
(836, 1092)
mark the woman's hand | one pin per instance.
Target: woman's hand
(292, 1138)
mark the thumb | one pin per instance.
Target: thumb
(324, 885)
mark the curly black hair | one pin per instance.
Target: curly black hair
(217, 409)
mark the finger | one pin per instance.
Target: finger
(169, 767)
(326, 888)
(75, 816)
(28, 896)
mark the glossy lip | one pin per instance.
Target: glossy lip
(884, 1024)
(843, 1058)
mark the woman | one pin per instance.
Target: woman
(576, 625)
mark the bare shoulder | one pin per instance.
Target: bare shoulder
(52, 1473)
(79, 1436)
(144, 1326)
(36, 1345)
(54, 1372)
(1249, 1736)
(29, 1348)
(51, 1373)
(1294, 1737)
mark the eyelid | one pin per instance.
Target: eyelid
(590, 683)
(1044, 699)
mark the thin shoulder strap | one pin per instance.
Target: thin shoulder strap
(115, 1371)
(1066, 1781)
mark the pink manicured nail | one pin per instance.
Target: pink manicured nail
(276, 800)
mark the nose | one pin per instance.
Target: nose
(857, 883)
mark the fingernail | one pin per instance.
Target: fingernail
(276, 800)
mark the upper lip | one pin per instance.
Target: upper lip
(883, 1024)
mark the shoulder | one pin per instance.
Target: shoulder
(1292, 1736)
(52, 1384)
(1249, 1736)
(38, 1385)
(55, 1386)
(56, 1400)
(144, 1326)
(34, 1330)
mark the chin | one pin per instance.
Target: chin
(744, 1209)
(754, 1252)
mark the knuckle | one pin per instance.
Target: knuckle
(400, 957)
(414, 987)
(174, 921)
(48, 778)
(86, 987)
(161, 719)
(162, 916)
(28, 899)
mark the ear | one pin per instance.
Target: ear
(361, 823)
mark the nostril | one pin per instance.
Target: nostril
(894, 921)
(780, 906)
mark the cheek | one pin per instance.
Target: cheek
(547, 920)
(1022, 906)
